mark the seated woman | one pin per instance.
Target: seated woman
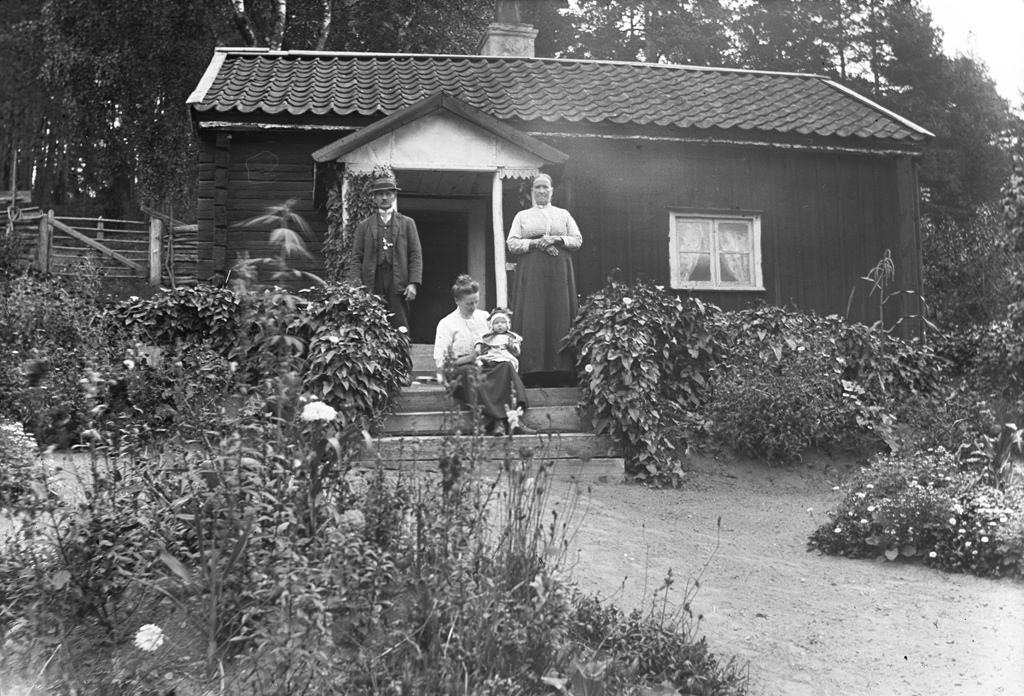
(493, 387)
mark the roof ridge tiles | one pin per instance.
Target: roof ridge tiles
(261, 52)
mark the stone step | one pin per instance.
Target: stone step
(541, 418)
(420, 396)
(424, 449)
(422, 355)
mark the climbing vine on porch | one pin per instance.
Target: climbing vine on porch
(357, 199)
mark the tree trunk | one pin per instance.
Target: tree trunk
(243, 23)
(325, 25)
(279, 24)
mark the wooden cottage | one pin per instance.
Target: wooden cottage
(735, 185)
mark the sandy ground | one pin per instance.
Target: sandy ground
(807, 623)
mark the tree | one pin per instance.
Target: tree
(690, 31)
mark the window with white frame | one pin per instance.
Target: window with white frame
(715, 252)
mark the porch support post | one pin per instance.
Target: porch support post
(498, 223)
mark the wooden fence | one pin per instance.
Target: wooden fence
(157, 250)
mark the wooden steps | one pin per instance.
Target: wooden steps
(421, 429)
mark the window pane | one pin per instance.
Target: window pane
(734, 236)
(735, 268)
(694, 235)
(695, 268)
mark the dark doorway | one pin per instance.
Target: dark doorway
(444, 237)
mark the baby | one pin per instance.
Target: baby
(501, 344)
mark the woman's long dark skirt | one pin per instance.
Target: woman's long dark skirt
(492, 388)
(544, 305)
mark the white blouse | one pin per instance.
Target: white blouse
(458, 334)
(538, 221)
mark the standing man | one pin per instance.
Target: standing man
(386, 254)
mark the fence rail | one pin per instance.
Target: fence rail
(159, 250)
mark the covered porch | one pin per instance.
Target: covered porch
(453, 164)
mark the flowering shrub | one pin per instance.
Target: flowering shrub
(928, 508)
(18, 452)
(644, 357)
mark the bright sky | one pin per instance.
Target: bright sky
(992, 31)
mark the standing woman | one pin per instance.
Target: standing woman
(495, 388)
(544, 302)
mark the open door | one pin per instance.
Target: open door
(444, 235)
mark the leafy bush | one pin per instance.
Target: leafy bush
(991, 358)
(931, 507)
(185, 315)
(335, 340)
(968, 267)
(777, 412)
(13, 261)
(652, 652)
(790, 381)
(643, 360)
(357, 360)
(50, 338)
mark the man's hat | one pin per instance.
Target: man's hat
(384, 183)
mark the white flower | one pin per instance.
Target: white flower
(353, 519)
(967, 544)
(318, 411)
(952, 520)
(130, 364)
(589, 368)
(627, 301)
(932, 554)
(402, 329)
(839, 530)
(870, 485)
(984, 539)
(149, 637)
(863, 521)
(871, 508)
(861, 494)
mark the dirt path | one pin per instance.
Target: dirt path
(807, 623)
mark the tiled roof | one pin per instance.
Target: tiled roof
(553, 90)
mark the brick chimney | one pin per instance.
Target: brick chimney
(507, 35)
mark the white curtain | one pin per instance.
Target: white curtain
(694, 245)
(734, 250)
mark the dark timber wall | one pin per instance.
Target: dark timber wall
(826, 217)
(240, 176)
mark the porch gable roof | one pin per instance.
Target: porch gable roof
(446, 103)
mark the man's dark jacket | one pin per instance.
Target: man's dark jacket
(406, 254)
